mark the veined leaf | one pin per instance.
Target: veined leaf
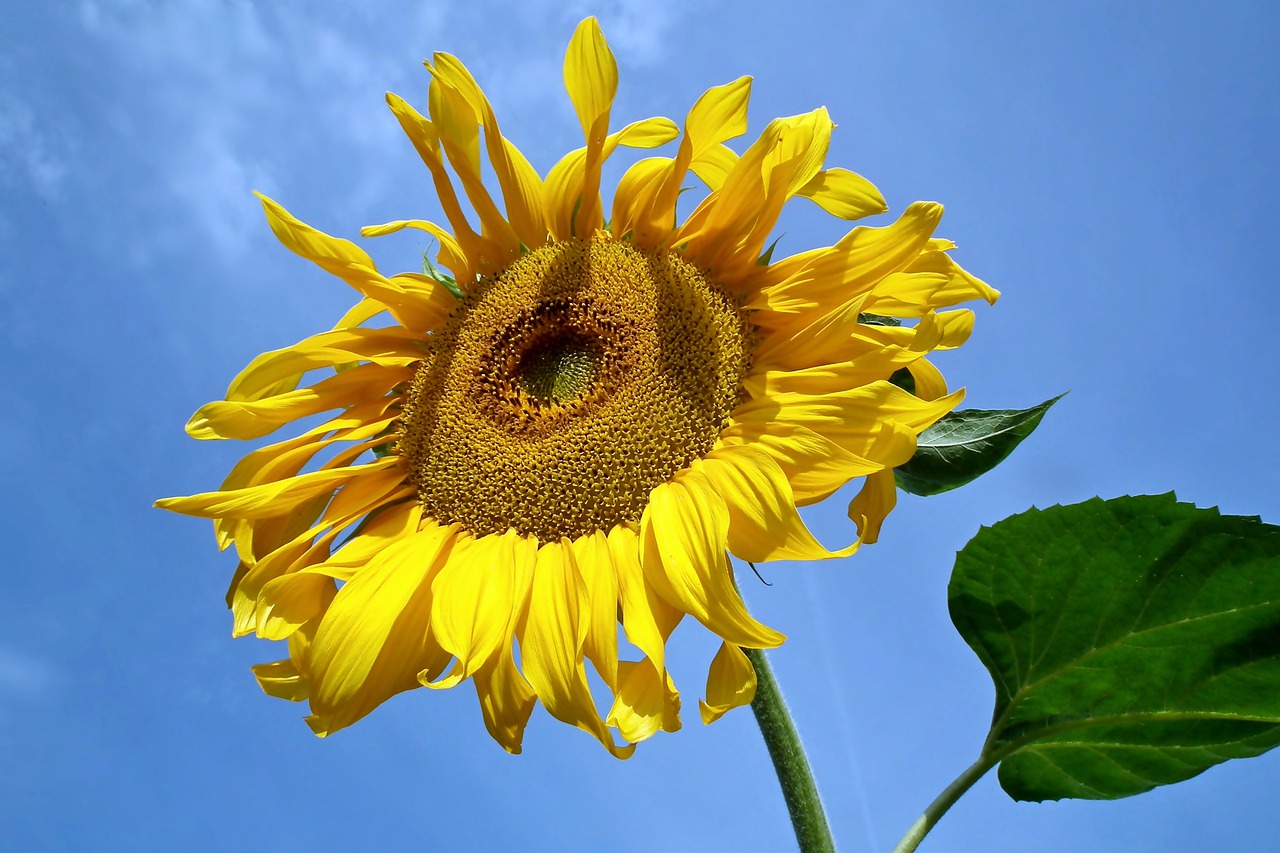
(964, 445)
(1133, 643)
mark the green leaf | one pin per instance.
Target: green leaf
(1133, 643)
(964, 445)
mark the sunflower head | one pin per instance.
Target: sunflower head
(544, 458)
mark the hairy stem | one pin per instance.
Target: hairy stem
(789, 761)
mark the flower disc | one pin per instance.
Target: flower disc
(563, 390)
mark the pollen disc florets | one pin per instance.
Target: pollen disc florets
(563, 390)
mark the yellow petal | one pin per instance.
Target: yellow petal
(390, 525)
(256, 418)
(564, 184)
(844, 194)
(646, 702)
(288, 602)
(850, 268)
(450, 255)
(363, 311)
(455, 121)
(684, 533)
(726, 233)
(483, 254)
(647, 619)
(282, 680)
(475, 598)
(418, 311)
(731, 683)
(718, 115)
(645, 203)
(714, 165)
(815, 466)
(930, 385)
(271, 499)
(520, 184)
(506, 700)
(590, 74)
(595, 563)
(851, 418)
(870, 507)
(375, 637)
(551, 644)
(591, 77)
(285, 459)
(763, 522)
(394, 347)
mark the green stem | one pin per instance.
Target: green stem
(945, 800)
(798, 788)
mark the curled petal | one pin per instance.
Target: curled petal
(731, 683)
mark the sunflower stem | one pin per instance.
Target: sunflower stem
(789, 761)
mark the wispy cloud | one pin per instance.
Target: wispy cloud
(636, 29)
(30, 154)
(23, 676)
(222, 90)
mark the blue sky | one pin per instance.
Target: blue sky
(1110, 167)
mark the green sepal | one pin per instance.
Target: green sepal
(434, 273)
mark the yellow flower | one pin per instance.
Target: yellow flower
(570, 432)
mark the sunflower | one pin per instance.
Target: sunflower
(573, 428)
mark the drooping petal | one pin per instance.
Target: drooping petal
(475, 598)
(393, 347)
(930, 384)
(684, 534)
(731, 683)
(375, 638)
(931, 281)
(282, 680)
(815, 466)
(450, 255)
(551, 643)
(870, 507)
(595, 563)
(850, 418)
(647, 618)
(647, 702)
(506, 700)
